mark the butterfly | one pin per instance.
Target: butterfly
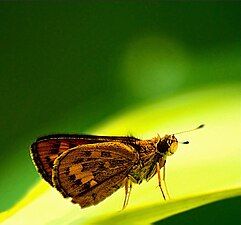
(89, 168)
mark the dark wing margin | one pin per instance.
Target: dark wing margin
(90, 173)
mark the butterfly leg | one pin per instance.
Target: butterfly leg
(129, 193)
(128, 187)
(159, 179)
(164, 181)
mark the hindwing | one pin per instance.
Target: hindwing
(90, 173)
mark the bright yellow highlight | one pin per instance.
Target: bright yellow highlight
(37, 191)
(209, 167)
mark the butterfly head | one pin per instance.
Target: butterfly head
(167, 145)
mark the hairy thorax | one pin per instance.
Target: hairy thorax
(145, 169)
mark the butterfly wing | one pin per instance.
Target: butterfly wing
(47, 148)
(90, 173)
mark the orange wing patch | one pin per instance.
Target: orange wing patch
(45, 151)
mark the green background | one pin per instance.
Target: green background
(67, 67)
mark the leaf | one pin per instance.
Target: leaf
(208, 168)
(149, 214)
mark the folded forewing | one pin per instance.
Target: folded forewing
(47, 148)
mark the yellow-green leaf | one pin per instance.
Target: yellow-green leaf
(209, 168)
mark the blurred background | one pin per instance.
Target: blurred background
(67, 67)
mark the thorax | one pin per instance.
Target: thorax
(145, 169)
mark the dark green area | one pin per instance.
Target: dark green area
(222, 212)
(61, 67)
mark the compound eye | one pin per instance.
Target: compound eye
(173, 147)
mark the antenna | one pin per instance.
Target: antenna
(184, 142)
(201, 126)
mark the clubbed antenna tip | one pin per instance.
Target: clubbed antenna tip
(201, 126)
